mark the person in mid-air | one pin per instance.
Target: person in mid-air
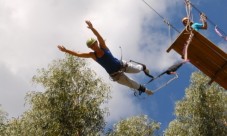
(115, 68)
(195, 26)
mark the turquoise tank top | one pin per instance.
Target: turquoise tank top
(197, 26)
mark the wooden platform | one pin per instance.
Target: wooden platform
(203, 54)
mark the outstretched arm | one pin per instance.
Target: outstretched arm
(203, 18)
(204, 25)
(99, 37)
(82, 55)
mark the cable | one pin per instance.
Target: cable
(164, 20)
(211, 22)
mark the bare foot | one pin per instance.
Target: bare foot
(148, 92)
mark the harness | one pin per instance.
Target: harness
(114, 76)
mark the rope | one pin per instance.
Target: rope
(188, 8)
(189, 16)
(185, 50)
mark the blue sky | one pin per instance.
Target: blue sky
(30, 31)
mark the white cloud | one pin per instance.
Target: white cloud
(13, 90)
(122, 105)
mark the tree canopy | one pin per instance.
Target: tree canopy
(203, 110)
(135, 126)
(68, 105)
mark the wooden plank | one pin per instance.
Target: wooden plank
(203, 54)
(209, 49)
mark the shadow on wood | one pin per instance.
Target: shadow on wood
(203, 54)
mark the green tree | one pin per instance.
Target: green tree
(135, 126)
(68, 106)
(3, 119)
(202, 112)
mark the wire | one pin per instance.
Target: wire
(211, 22)
(164, 20)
